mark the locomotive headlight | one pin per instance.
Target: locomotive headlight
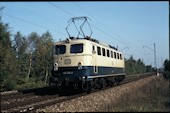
(55, 68)
(79, 66)
(55, 64)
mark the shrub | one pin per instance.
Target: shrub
(167, 75)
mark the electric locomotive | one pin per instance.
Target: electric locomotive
(85, 63)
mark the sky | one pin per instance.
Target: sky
(133, 27)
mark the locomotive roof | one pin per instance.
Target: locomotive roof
(91, 39)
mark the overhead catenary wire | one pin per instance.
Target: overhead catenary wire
(33, 23)
(42, 17)
(103, 32)
(123, 41)
(91, 24)
(60, 8)
(101, 24)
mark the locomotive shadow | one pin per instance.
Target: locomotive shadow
(67, 91)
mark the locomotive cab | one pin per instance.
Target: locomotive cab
(72, 61)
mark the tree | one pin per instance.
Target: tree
(130, 65)
(8, 62)
(166, 65)
(43, 56)
(166, 73)
(134, 67)
(21, 45)
(20, 48)
(140, 66)
(32, 41)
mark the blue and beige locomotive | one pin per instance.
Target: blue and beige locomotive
(85, 63)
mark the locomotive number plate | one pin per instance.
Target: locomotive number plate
(68, 73)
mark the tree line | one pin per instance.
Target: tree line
(26, 61)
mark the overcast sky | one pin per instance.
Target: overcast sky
(132, 26)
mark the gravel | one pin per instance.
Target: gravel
(94, 101)
(8, 92)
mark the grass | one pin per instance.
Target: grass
(152, 97)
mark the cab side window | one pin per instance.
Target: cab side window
(111, 54)
(103, 51)
(108, 53)
(115, 55)
(93, 48)
(120, 56)
(98, 50)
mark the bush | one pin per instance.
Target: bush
(31, 83)
(152, 97)
(167, 75)
(8, 85)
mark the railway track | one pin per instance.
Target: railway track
(30, 100)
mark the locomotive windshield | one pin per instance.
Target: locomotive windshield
(60, 49)
(76, 48)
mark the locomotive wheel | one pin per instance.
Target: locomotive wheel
(51, 84)
(111, 81)
(87, 86)
(102, 83)
(122, 77)
(97, 83)
(91, 86)
(75, 86)
(59, 86)
(94, 84)
(117, 80)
